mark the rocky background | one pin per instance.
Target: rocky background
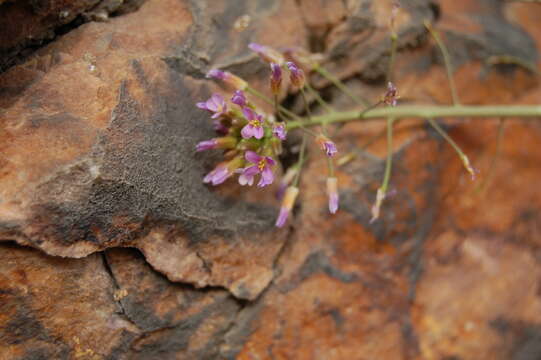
(112, 248)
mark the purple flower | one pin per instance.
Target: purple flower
(296, 75)
(391, 96)
(228, 78)
(206, 145)
(262, 165)
(332, 192)
(254, 128)
(217, 176)
(239, 98)
(267, 53)
(276, 78)
(279, 131)
(327, 145)
(216, 104)
(287, 205)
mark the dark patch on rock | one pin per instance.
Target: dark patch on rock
(318, 262)
(524, 338)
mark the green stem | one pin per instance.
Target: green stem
(340, 85)
(447, 62)
(424, 112)
(394, 42)
(455, 146)
(389, 162)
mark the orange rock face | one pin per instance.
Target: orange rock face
(97, 156)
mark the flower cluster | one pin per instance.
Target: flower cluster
(251, 140)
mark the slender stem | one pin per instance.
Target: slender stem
(424, 112)
(389, 161)
(340, 85)
(455, 146)
(268, 100)
(382, 190)
(446, 60)
(394, 43)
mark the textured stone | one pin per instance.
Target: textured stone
(96, 146)
(117, 167)
(27, 24)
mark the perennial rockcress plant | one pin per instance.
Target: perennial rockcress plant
(251, 140)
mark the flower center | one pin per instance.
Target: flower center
(255, 123)
(261, 164)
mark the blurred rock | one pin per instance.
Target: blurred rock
(96, 144)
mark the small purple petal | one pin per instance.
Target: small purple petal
(220, 176)
(206, 145)
(276, 71)
(256, 47)
(216, 74)
(217, 176)
(247, 176)
(282, 217)
(249, 113)
(279, 131)
(296, 75)
(267, 177)
(252, 157)
(333, 203)
(247, 131)
(270, 161)
(330, 148)
(276, 78)
(239, 98)
(258, 132)
(202, 105)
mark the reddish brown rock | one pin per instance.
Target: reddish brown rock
(117, 165)
(27, 24)
(97, 153)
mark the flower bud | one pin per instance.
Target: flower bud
(287, 205)
(296, 75)
(326, 145)
(391, 96)
(239, 98)
(228, 78)
(276, 78)
(267, 53)
(332, 193)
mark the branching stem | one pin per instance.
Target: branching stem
(423, 112)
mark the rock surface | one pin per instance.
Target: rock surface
(96, 157)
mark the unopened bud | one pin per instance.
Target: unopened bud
(228, 78)
(287, 204)
(332, 193)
